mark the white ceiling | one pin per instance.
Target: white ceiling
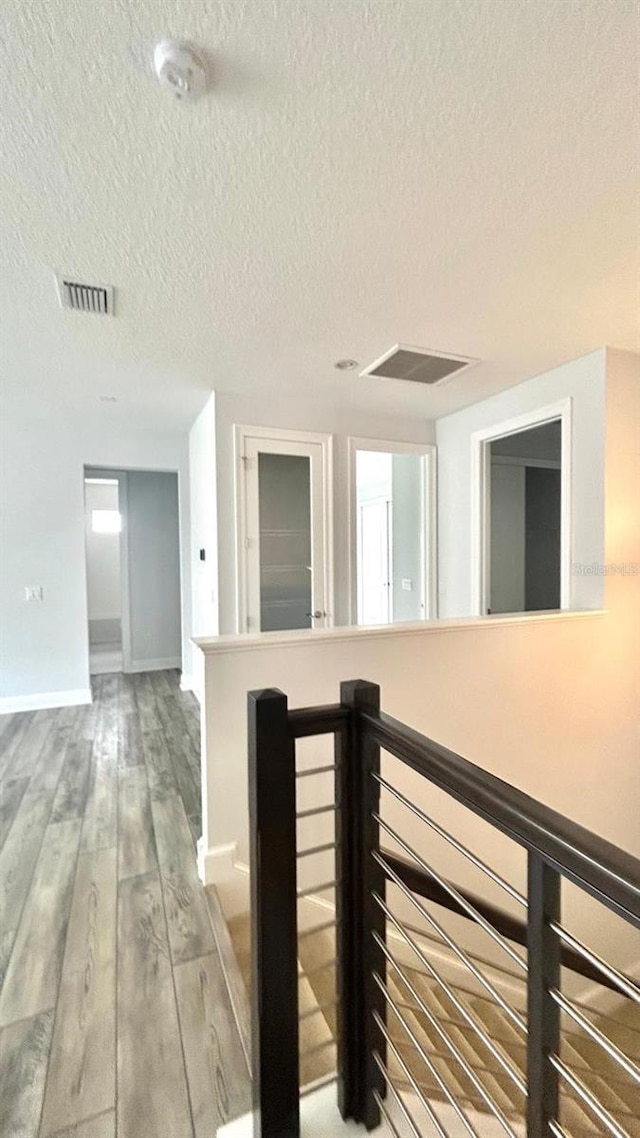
(457, 174)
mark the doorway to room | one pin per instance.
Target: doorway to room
(284, 530)
(523, 514)
(392, 531)
(133, 570)
(103, 528)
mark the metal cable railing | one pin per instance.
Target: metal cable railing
(466, 906)
(471, 1022)
(453, 841)
(463, 1044)
(460, 953)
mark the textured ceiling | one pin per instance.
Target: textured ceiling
(456, 174)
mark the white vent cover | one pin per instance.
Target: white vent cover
(417, 365)
(97, 299)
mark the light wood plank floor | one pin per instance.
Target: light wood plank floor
(115, 1020)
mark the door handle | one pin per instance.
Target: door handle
(317, 615)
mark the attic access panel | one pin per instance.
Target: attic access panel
(417, 365)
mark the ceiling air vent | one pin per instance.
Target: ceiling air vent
(97, 299)
(417, 365)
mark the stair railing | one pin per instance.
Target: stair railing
(557, 850)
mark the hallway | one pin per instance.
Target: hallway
(114, 1015)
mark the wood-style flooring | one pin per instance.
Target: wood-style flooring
(115, 1020)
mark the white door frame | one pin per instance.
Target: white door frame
(429, 550)
(279, 435)
(480, 487)
(125, 596)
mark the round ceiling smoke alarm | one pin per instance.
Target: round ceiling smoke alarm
(179, 69)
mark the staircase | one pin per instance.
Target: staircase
(601, 1075)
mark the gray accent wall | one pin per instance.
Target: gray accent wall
(154, 567)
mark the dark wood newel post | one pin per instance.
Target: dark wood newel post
(543, 1012)
(358, 914)
(274, 932)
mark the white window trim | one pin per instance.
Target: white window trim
(480, 442)
(429, 532)
(241, 434)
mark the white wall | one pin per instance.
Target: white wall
(305, 414)
(204, 522)
(584, 381)
(550, 704)
(153, 569)
(44, 452)
(104, 600)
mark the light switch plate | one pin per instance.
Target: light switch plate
(34, 593)
(407, 584)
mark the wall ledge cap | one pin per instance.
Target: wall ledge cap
(252, 642)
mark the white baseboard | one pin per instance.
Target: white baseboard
(40, 701)
(187, 683)
(160, 665)
(217, 863)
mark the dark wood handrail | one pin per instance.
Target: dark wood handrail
(609, 874)
(418, 881)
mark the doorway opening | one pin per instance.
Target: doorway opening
(392, 488)
(133, 570)
(524, 517)
(284, 530)
(103, 527)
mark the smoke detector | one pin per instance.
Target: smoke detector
(418, 365)
(179, 69)
(97, 299)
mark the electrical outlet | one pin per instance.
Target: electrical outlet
(33, 593)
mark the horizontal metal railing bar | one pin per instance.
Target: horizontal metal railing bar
(312, 889)
(609, 874)
(324, 848)
(558, 1130)
(512, 1072)
(567, 1036)
(331, 807)
(424, 1102)
(318, 1047)
(426, 935)
(316, 770)
(402, 1107)
(597, 1036)
(587, 1098)
(468, 1070)
(433, 1070)
(477, 1066)
(457, 845)
(332, 924)
(617, 979)
(380, 1103)
(317, 1010)
(463, 956)
(469, 909)
(485, 1070)
(424, 881)
(307, 721)
(603, 1016)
